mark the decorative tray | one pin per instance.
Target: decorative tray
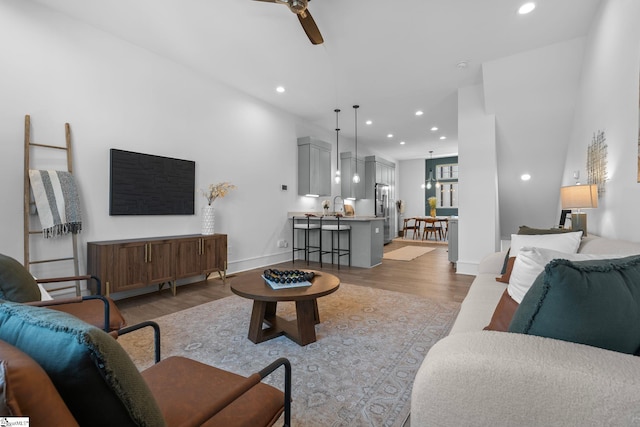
(285, 279)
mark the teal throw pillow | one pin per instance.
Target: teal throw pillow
(16, 283)
(93, 374)
(594, 302)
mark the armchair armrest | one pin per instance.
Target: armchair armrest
(497, 378)
(150, 324)
(86, 277)
(287, 385)
(94, 309)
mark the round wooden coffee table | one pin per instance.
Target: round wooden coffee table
(265, 299)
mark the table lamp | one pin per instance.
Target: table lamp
(579, 197)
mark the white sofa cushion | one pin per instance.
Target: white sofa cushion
(489, 378)
(530, 262)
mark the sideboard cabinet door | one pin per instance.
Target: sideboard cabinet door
(160, 267)
(214, 257)
(131, 271)
(187, 258)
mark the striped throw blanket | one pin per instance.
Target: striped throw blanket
(57, 202)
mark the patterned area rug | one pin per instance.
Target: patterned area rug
(407, 253)
(359, 372)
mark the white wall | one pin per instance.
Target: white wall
(116, 95)
(411, 176)
(608, 101)
(532, 95)
(478, 231)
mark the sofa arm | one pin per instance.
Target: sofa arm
(492, 263)
(502, 379)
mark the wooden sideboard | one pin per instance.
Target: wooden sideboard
(124, 265)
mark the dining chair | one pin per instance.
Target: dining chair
(409, 226)
(432, 226)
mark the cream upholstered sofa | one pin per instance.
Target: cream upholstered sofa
(475, 377)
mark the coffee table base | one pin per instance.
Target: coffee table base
(301, 330)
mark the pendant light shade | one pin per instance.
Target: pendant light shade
(337, 177)
(356, 177)
(429, 182)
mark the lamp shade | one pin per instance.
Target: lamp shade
(579, 196)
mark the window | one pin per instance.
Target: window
(447, 195)
(447, 172)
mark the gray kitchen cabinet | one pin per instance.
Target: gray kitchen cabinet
(379, 171)
(351, 190)
(314, 167)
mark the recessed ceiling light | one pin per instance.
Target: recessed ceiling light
(390, 135)
(280, 89)
(368, 122)
(419, 113)
(525, 177)
(443, 137)
(433, 129)
(526, 8)
(402, 142)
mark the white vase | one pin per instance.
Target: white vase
(208, 220)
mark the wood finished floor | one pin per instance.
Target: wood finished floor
(430, 275)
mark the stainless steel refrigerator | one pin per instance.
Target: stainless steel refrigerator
(383, 209)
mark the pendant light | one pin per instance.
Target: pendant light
(337, 178)
(428, 183)
(356, 177)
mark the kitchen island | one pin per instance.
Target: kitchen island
(366, 238)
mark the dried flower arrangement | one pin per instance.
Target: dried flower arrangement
(217, 190)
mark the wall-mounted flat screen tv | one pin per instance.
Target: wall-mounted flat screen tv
(144, 184)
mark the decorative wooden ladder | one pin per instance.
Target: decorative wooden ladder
(29, 204)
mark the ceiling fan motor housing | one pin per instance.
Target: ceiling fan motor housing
(298, 6)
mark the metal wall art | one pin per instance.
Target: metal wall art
(597, 161)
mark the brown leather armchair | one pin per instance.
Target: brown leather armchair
(18, 285)
(76, 374)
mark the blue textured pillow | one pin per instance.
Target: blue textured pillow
(593, 302)
(93, 374)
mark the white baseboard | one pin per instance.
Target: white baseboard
(470, 268)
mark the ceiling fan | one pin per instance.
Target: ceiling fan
(299, 7)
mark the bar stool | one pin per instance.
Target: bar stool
(335, 230)
(307, 227)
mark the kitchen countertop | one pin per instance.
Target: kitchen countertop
(302, 215)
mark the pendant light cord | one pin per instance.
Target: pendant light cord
(355, 108)
(337, 111)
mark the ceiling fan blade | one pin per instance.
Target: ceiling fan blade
(268, 1)
(310, 27)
